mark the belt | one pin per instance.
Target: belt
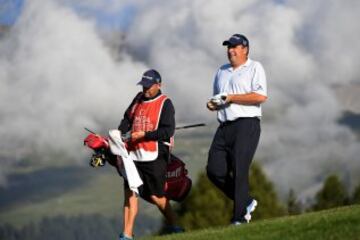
(226, 123)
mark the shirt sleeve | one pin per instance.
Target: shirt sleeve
(126, 122)
(259, 80)
(215, 84)
(166, 126)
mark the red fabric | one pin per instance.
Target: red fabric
(95, 141)
(146, 116)
(178, 184)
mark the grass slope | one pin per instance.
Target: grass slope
(339, 223)
(47, 190)
(99, 192)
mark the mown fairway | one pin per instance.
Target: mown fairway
(339, 223)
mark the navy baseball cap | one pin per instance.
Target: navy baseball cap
(149, 78)
(236, 39)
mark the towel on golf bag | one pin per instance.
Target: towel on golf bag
(129, 171)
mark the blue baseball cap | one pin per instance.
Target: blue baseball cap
(149, 78)
(236, 39)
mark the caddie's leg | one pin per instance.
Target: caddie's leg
(130, 212)
(246, 141)
(218, 168)
(165, 208)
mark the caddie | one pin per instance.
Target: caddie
(150, 119)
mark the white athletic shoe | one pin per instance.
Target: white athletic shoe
(236, 223)
(250, 209)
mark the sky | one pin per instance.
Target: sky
(59, 73)
(109, 18)
(9, 11)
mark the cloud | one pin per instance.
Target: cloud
(58, 76)
(303, 55)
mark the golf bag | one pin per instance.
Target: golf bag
(177, 184)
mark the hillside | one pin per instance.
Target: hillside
(72, 190)
(41, 190)
(339, 223)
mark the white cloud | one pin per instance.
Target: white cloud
(303, 56)
(58, 75)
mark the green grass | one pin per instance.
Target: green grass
(84, 190)
(340, 223)
(101, 194)
(90, 191)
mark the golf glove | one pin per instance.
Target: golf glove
(219, 99)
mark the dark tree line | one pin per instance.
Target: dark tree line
(206, 206)
(89, 227)
(332, 194)
(335, 194)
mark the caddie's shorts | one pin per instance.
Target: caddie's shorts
(153, 175)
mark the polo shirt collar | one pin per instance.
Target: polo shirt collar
(246, 64)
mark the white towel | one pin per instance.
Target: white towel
(117, 147)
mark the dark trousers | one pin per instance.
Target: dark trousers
(230, 156)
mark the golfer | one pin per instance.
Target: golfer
(239, 89)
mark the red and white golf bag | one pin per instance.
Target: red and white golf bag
(177, 185)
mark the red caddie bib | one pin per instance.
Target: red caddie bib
(146, 117)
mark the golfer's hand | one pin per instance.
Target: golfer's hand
(219, 99)
(211, 106)
(137, 135)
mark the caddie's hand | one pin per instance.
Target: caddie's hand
(211, 106)
(119, 162)
(137, 135)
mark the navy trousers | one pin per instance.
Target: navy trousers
(230, 156)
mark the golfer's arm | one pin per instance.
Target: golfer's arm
(246, 99)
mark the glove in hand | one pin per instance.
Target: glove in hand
(219, 99)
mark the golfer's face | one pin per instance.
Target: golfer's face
(235, 53)
(151, 91)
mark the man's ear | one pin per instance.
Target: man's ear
(244, 49)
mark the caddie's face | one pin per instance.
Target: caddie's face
(151, 91)
(236, 54)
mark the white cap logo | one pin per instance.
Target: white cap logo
(147, 77)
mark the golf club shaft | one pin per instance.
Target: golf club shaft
(191, 126)
(177, 128)
(89, 130)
